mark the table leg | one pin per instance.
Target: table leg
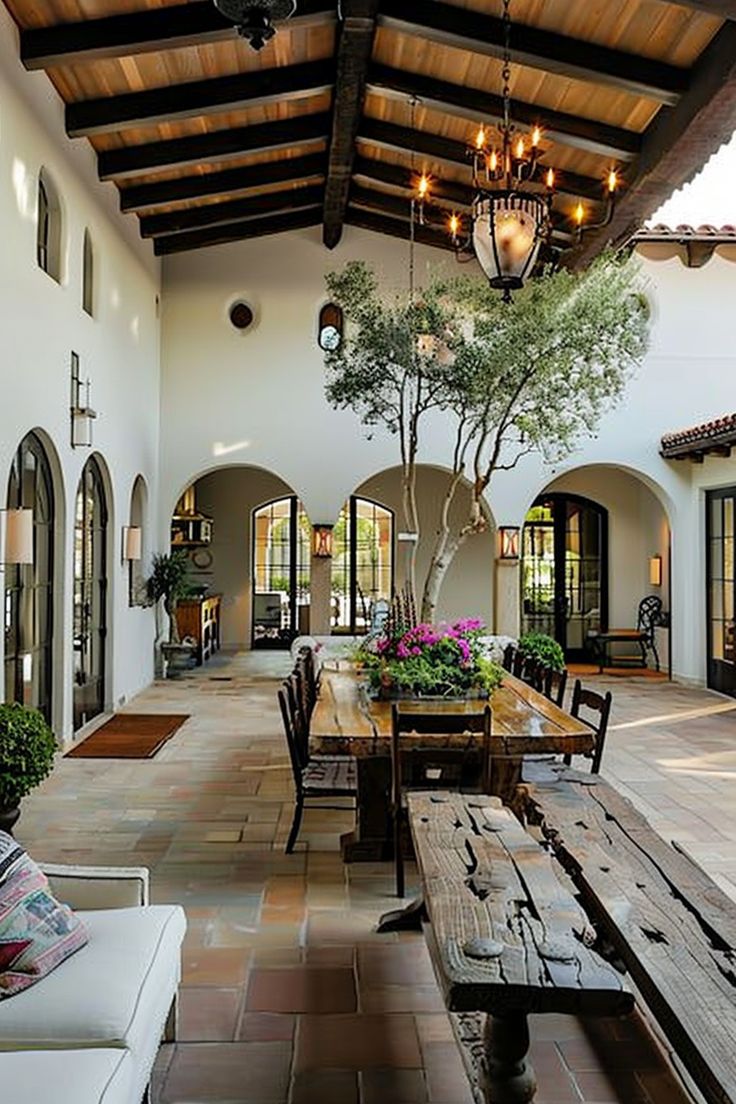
(507, 1076)
(372, 840)
(409, 918)
(505, 777)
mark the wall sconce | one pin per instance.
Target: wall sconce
(322, 541)
(508, 542)
(655, 571)
(132, 542)
(17, 546)
(82, 414)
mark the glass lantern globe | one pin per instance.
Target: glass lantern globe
(507, 233)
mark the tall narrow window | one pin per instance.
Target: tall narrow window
(88, 275)
(362, 564)
(90, 595)
(48, 227)
(136, 578)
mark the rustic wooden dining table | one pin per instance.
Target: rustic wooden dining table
(346, 720)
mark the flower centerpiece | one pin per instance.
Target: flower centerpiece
(424, 660)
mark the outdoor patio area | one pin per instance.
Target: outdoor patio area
(288, 992)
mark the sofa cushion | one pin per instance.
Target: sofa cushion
(113, 993)
(67, 1077)
(37, 934)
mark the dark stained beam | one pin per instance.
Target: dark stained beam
(141, 197)
(149, 31)
(212, 214)
(676, 145)
(475, 104)
(383, 172)
(206, 97)
(218, 145)
(354, 48)
(726, 9)
(396, 228)
(406, 140)
(238, 231)
(467, 29)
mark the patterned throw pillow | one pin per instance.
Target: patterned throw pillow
(36, 932)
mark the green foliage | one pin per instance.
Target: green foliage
(543, 648)
(169, 577)
(27, 748)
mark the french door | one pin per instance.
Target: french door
(90, 595)
(565, 571)
(281, 572)
(721, 507)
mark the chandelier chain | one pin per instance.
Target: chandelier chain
(506, 71)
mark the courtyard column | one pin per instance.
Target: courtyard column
(320, 596)
(507, 603)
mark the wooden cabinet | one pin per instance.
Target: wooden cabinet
(199, 618)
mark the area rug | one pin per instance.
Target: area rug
(130, 736)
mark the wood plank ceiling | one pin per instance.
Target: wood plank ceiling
(209, 141)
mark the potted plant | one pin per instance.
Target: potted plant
(169, 582)
(27, 749)
(543, 648)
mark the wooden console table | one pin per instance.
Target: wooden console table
(199, 618)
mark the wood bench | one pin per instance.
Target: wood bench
(670, 925)
(505, 935)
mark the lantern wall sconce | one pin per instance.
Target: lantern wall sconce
(132, 543)
(17, 537)
(322, 541)
(655, 571)
(82, 414)
(508, 542)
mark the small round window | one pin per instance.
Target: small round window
(241, 315)
(330, 328)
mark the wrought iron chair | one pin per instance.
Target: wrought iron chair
(644, 635)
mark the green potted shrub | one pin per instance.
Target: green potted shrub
(27, 749)
(543, 648)
(168, 583)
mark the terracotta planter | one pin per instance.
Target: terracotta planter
(8, 819)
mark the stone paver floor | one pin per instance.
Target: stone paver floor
(288, 994)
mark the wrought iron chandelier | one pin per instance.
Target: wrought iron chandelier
(511, 214)
(255, 18)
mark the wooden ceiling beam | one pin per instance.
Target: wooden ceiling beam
(195, 24)
(238, 231)
(354, 49)
(467, 29)
(218, 145)
(380, 223)
(383, 172)
(212, 214)
(476, 105)
(725, 9)
(407, 141)
(141, 197)
(196, 98)
(676, 145)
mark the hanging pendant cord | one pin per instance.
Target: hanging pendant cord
(412, 220)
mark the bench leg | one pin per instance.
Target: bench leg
(409, 918)
(508, 1077)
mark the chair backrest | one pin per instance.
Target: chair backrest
(301, 728)
(517, 666)
(650, 611)
(532, 673)
(554, 685)
(600, 706)
(408, 721)
(509, 654)
(292, 741)
(304, 703)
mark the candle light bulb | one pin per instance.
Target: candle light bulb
(423, 186)
(579, 214)
(454, 225)
(612, 181)
(480, 138)
(493, 161)
(536, 135)
(550, 178)
(520, 149)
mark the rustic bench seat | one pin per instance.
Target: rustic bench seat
(669, 924)
(505, 935)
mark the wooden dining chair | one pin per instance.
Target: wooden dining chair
(509, 654)
(599, 705)
(427, 767)
(554, 684)
(318, 778)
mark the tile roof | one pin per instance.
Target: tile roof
(685, 232)
(720, 432)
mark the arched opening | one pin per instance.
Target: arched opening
(281, 572)
(29, 588)
(48, 227)
(362, 564)
(137, 522)
(88, 275)
(90, 594)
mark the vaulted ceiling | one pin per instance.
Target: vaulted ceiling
(209, 141)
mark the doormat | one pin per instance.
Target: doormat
(130, 736)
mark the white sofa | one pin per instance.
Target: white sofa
(90, 1031)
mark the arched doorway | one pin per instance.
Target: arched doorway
(281, 572)
(90, 594)
(29, 588)
(362, 563)
(564, 576)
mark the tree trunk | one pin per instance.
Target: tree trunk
(443, 555)
(170, 607)
(411, 521)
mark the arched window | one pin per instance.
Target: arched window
(329, 330)
(90, 594)
(88, 275)
(362, 564)
(137, 522)
(29, 598)
(48, 227)
(281, 572)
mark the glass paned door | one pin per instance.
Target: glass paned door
(29, 587)
(282, 538)
(90, 595)
(565, 571)
(362, 565)
(721, 508)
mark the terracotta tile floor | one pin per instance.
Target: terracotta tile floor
(288, 994)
